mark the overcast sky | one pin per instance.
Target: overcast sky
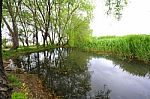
(135, 20)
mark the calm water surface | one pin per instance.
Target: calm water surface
(73, 74)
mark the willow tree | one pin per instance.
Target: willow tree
(53, 18)
(77, 27)
(31, 7)
(11, 12)
(25, 18)
(44, 9)
(64, 12)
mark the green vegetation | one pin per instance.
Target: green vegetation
(24, 50)
(128, 47)
(14, 81)
(18, 95)
(64, 21)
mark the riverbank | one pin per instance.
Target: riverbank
(25, 86)
(24, 50)
(64, 70)
(131, 47)
(28, 86)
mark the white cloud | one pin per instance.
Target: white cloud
(135, 20)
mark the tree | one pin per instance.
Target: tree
(50, 19)
(5, 91)
(24, 30)
(11, 10)
(44, 10)
(31, 6)
(79, 31)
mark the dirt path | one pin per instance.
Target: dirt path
(33, 85)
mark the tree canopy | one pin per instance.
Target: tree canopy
(60, 22)
(56, 21)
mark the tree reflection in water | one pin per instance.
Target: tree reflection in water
(133, 67)
(64, 72)
(103, 94)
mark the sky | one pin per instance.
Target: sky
(135, 19)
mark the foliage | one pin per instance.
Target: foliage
(115, 7)
(10, 18)
(131, 46)
(18, 95)
(53, 20)
(79, 32)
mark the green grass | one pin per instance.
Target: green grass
(131, 46)
(18, 95)
(14, 81)
(24, 50)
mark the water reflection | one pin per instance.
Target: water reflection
(64, 71)
(73, 74)
(136, 68)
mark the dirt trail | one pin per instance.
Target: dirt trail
(34, 87)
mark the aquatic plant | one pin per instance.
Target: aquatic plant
(129, 47)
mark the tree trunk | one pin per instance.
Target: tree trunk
(43, 36)
(14, 33)
(15, 41)
(27, 41)
(15, 38)
(5, 91)
(22, 41)
(37, 44)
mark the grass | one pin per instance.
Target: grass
(18, 95)
(24, 50)
(15, 82)
(128, 47)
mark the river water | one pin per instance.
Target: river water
(73, 74)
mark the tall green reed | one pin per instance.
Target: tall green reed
(131, 46)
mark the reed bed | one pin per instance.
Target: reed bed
(131, 46)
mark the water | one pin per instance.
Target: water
(73, 74)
